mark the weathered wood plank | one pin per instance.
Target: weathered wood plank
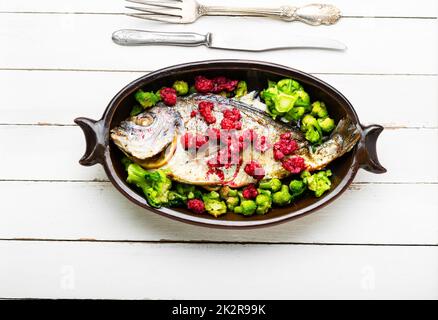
(378, 214)
(378, 99)
(84, 42)
(145, 271)
(374, 8)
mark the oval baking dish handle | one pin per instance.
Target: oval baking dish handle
(94, 139)
(368, 149)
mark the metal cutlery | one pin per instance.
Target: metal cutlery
(188, 11)
(222, 41)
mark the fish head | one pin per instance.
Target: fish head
(148, 134)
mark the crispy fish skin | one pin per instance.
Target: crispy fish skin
(190, 168)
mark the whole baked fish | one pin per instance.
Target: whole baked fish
(154, 139)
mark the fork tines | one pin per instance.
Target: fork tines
(163, 11)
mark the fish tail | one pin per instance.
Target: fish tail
(349, 134)
(342, 140)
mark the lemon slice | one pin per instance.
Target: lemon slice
(160, 159)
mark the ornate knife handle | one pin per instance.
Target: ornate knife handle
(313, 14)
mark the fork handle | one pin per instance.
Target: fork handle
(128, 37)
(313, 14)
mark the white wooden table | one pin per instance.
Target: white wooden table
(66, 233)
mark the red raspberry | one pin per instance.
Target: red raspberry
(196, 205)
(262, 145)
(217, 172)
(294, 165)
(187, 141)
(203, 85)
(255, 170)
(200, 140)
(168, 95)
(206, 111)
(227, 124)
(285, 147)
(233, 114)
(214, 134)
(190, 141)
(224, 84)
(286, 136)
(250, 192)
(193, 114)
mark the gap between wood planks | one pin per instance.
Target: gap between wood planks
(230, 15)
(40, 124)
(145, 72)
(209, 242)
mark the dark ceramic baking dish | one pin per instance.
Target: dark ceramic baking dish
(99, 148)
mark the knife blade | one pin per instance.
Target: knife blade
(128, 37)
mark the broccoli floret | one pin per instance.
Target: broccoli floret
(154, 184)
(273, 185)
(318, 182)
(176, 199)
(136, 111)
(319, 109)
(147, 99)
(214, 205)
(311, 128)
(283, 197)
(189, 191)
(126, 162)
(297, 188)
(264, 203)
(181, 87)
(247, 208)
(241, 89)
(327, 124)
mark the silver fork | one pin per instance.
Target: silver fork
(188, 11)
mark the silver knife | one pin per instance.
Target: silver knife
(220, 41)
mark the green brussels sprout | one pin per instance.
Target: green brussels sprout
(272, 184)
(241, 89)
(247, 208)
(303, 99)
(297, 188)
(192, 89)
(147, 99)
(264, 203)
(214, 205)
(181, 87)
(288, 86)
(283, 197)
(232, 203)
(310, 126)
(136, 111)
(295, 114)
